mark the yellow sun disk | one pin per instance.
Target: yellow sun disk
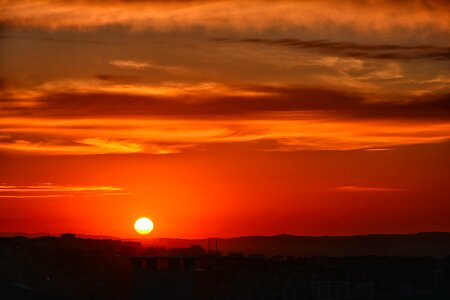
(143, 225)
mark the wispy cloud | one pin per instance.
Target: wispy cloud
(6, 196)
(378, 149)
(142, 65)
(356, 50)
(58, 191)
(354, 188)
(76, 147)
(110, 146)
(130, 64)
(147, 140)
(56, 188)
(200, 90)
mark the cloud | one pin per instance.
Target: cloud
(141, 65)
(378, 149)
(130, 64)
(124, 85)
(82, 144)
(88, 145)
(98, 117)
(325, 15)
(56, 191)
(210, 100)
(361, 75)
(110, 146)
(438, 79)
(355, 50)
(276, 132)
(118, 79)
(57, 188)
(353, 188)
(33, 196)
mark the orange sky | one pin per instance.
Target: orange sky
(223, 118)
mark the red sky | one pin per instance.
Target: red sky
(218, 118)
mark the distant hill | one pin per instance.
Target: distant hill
(418, 244)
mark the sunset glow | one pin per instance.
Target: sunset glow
(224, 118)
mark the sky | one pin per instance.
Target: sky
(224, 118)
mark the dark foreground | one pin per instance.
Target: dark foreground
(68, 267)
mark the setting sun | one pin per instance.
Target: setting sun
(143, 225)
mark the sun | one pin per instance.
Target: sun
(143, 225)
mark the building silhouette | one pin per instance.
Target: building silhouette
(72, 268)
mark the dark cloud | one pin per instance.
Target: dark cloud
(355, 50)
(118, 78)
(329, 103)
